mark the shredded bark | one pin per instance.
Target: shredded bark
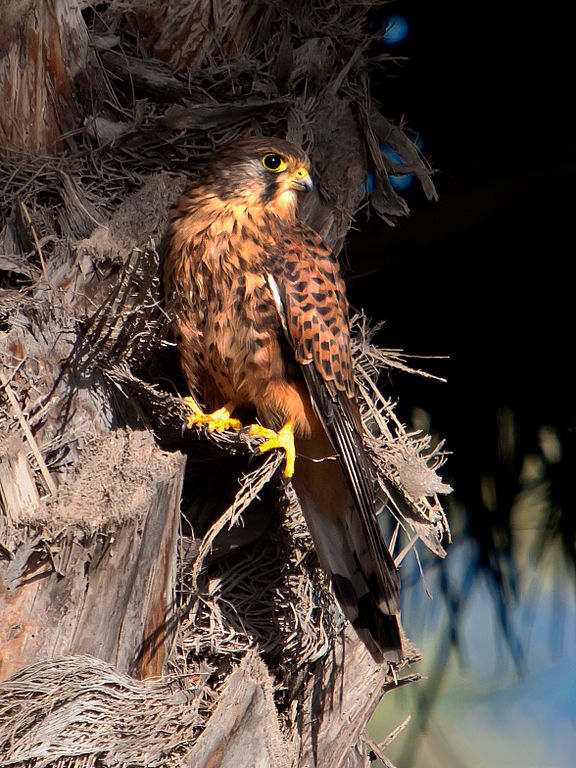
(79, 711)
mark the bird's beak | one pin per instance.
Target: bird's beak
(301, 180)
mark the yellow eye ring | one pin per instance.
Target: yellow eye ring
(273, 162)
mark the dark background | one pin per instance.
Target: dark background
(484, 275)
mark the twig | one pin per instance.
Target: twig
(28, 220)
(396, 732)
(401, 555)
(378, 749)
(29, 436)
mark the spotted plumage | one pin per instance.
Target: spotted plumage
(261, 323)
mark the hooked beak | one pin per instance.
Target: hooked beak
(301, 181)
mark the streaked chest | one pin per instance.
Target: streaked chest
(234, 311)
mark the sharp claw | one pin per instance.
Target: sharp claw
(283, 439)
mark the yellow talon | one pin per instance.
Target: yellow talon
(282, 439)
(220, 419)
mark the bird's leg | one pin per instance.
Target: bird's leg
(220, 419)
(282, 439)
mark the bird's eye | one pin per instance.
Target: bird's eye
(273, 162)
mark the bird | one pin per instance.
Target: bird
(261, 323)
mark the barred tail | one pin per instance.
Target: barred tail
(366, 591)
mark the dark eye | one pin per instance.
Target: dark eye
(274, 162)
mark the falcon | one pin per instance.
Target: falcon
(260, 320)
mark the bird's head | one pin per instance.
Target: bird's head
(261, 173)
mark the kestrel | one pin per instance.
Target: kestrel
(261, 324)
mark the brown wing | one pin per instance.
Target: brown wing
(316, 308)
(314, 312)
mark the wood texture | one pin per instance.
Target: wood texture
(243, 731)
(18, 493)
(96, 573)
(190, 32)
(43, 50)
(339, 702)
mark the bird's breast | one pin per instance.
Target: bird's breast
(239, 352)
(239, 331)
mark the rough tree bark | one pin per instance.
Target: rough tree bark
(103, 583)
(44, 45)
